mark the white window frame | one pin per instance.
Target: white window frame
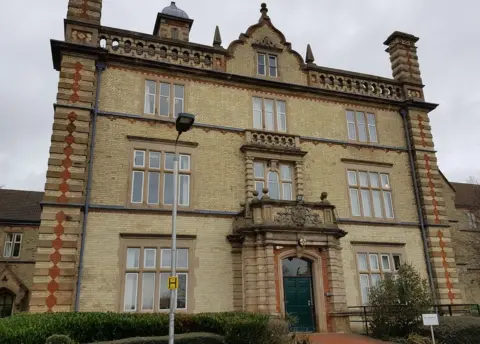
(369, 127)
(16, 238)
(276, 114)
(266, 59)
(147, 94)
(171, 98)
(265, 180)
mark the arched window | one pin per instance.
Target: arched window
(6, 304)
(273, 185)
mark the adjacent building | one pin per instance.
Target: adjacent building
(300, 186)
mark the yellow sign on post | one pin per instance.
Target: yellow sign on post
(172, 283)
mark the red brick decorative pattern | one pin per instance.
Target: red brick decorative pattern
(67, 162)
(55, 258)
(431, 185)
(422, 133)
(451, 295)
(76, 79)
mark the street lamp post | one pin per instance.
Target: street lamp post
(183, 123)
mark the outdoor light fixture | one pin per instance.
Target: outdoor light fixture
(184, 122)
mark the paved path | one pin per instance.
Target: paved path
(342, 339)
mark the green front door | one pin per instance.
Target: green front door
(297, 286)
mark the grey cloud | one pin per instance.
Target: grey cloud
(343, 34)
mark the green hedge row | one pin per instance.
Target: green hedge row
(456, 330)
(184, 338)
(236, 327)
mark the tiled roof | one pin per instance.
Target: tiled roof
(19, 205)
(466, 195)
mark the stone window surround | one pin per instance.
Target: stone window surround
(274, 166)
(275, 98)
(354, 110)
(159, 145)
(378, 248)
(14, 232)
(158, 242)
(297, 170)
(374, 167)
(267, 53)
(171, 82)
(317, 280)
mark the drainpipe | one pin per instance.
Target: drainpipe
(423, 229)
(100, 68)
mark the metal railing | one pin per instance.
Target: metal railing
(360, 314)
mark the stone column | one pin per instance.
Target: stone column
(250, 274)
(55, 272)
(249, 184)
(337, 301)
(299, 181)
(271, 285)
(237, 267)
(261, 275)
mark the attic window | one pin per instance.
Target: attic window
(174, 33)
(267, 63)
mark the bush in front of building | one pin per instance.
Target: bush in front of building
(397, 302)
(184, 338)
(59, 339)
(456, 330)
(236, 327)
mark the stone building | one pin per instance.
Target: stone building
(300, 185)
(19, 222)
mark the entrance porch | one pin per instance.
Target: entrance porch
(287, 261)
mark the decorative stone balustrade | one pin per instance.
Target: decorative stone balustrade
(274, 140)
(136, 45)
(380, 88)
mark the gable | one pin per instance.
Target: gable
(263, 37)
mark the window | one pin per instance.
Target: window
(269, 114)
(6, 304)
(174, 33)
(12, 245)
(267, 63)
(372, 268)
(146, 279)
(279, 180)
(361, 128)
(370, 194)
(171, 98)
(152, 178)
(473, 222)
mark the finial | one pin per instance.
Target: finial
(264, 10)
(265, 194)
(323, 198)
(309, 58)
(217, 39)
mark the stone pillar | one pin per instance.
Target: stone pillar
(237, 268)
(271, 285)
(54, 280)
(250, 274)
(337, 301)
(262, 303)
(430, 186)
(299, 181)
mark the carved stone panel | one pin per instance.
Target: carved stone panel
(297, 216)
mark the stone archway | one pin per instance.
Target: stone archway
(6, 303)
(314, 259)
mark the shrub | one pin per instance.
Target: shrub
(396, 304)
(59, 339)
(236, 327)
(184, 338)
(456, 330)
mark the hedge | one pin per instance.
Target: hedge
(236, 327)
(184, 338)
(456, 330)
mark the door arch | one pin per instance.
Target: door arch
(6, 303)
(308, 269)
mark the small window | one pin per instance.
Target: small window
(361, 126)
(269, 114)
(267, 62)
(13, 242)
(279, 181)
(150, 93)
(174, 33)
(171, 98)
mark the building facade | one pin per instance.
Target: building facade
(300, 186)
(19, 222)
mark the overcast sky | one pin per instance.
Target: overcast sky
(344, 34)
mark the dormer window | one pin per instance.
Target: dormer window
(174, 33)
(267, 63)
